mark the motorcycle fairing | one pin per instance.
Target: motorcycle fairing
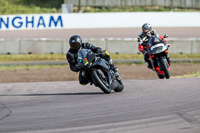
(156, 45)
(103, 64)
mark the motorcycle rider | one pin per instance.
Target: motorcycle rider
(143, 39)
(75, 43)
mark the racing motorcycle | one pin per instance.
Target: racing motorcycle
(98, 72)
(157, 50)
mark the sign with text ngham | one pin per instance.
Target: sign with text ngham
(23, 22)
(98, 20)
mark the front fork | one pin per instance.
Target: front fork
(168, 60)
(158, 67)
(118, 77)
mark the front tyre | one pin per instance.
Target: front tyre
(120, 86)
(161, 76)
(165, 65)
(100, 82)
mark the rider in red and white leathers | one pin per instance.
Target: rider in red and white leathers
(143, 39)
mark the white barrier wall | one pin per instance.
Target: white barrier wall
(9, 46)
(99, 20)
(41, 46)
(113, 45)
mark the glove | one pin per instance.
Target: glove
(99, 51)
(153, 32)
(70, 58)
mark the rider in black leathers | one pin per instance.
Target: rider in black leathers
(75, 43)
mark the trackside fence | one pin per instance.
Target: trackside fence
(112, 3)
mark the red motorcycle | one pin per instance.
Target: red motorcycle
(158, 52)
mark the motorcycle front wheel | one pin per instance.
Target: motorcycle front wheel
(100, 82)
(164, 65)
(120, 86)
(161, 76)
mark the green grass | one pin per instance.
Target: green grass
(14, 7)
(32, 57)
(9, 7)
(189, 75)
(28, 67)
(60, 57)
(185, 56)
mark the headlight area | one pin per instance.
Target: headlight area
(159, 49)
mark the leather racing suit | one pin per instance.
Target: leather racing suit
(142, 45)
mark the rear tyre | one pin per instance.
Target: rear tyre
(164, 65)
(101, 83)
(120, 86)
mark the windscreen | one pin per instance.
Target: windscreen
(82, 54)
(155, 40)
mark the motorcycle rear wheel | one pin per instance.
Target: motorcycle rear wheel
(100, 82)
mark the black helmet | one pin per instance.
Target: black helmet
(75, 42)
(146, 28)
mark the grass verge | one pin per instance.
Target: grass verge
(27, 7)
(28, 67)
(61, 57)
(12, 7)
(189, 75)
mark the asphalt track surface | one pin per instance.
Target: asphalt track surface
(145, 106)
(173, 32)
(153, 106)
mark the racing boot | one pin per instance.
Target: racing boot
(149, 65)
(147, 61)
(115, 69)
